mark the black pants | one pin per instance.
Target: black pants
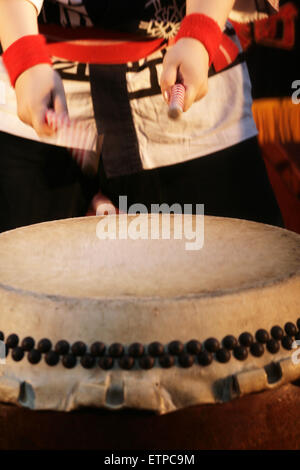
(39, 182)
(230, 183)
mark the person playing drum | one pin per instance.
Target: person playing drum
(209, 156)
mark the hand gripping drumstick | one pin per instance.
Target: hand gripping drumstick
(176, 101)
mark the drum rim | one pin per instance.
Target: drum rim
(184, 298)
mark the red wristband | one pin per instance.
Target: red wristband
(203, 28)
(25, 53)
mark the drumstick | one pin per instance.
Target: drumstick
(176, 101)
(76, 137)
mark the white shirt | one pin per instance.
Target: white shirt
(221, 119)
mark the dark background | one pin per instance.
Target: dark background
(272, 70)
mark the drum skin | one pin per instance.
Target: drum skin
(60, 281)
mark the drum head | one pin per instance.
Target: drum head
(126, 311)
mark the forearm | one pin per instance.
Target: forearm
(17, 18)
(217, 9)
